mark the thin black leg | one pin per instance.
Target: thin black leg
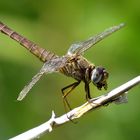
(87, 90)
(65, 94)
(71, 87)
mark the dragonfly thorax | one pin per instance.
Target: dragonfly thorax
(78, 68)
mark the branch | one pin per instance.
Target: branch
(117, 95)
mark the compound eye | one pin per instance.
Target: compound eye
(96, 76)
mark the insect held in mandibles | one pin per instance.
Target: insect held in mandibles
(72, 64)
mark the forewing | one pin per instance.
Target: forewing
(48, 67)
(79, 48)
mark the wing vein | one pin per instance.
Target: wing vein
(79, 48)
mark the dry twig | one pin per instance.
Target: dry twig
(117, 95)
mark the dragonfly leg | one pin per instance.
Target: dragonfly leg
(69, 88)
(88, 97)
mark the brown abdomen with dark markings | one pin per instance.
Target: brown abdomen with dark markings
(43, 54)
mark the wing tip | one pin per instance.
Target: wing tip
(22, 94)
(19, 98)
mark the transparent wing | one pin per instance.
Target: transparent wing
(121, 99)
(79, 48)
(27, 88)
(48, 67)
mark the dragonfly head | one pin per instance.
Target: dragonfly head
(99, 77)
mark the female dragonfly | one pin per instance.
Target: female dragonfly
(72, 64)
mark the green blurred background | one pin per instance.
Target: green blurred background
(54, 25)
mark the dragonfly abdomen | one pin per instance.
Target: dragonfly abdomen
(39, 52)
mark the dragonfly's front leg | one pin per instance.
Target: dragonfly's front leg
(87, 90)
(88, 96)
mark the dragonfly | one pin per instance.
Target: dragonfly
(72, 64)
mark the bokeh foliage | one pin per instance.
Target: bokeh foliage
(54, 25)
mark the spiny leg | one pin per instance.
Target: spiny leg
(65, 94)
(88, 96)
